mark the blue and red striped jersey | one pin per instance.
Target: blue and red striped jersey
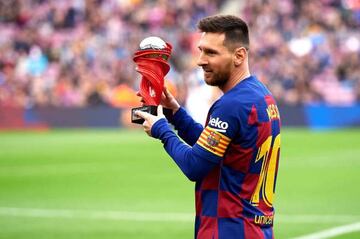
(242, 135)
(233, 160)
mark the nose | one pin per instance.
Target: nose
(201, 61)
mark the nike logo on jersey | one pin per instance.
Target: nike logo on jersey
(220, 126)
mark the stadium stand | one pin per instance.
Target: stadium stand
(79, 53)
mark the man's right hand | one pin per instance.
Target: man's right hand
(169, 101)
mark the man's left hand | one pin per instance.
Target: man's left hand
(150, 119)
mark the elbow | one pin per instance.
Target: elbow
(194, 168)
(192, 175)
(191, 178)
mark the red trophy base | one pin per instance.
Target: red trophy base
(151, 109)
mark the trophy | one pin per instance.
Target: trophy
(152, 63)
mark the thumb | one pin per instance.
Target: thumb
(142, 114)
(160, 111)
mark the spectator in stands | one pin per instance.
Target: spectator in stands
(295, 49)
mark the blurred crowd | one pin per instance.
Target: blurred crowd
(307, 51)
(75, 53)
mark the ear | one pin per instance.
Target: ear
(240, 54)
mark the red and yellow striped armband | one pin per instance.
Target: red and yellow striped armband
(213, 141)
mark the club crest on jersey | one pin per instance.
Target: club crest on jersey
(213, 139)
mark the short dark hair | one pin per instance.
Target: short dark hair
(235, 29)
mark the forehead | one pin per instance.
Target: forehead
(212, 40)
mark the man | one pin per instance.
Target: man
(234, 159)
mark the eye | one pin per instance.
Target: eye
(210, 52)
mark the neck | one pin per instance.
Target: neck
(234, 79)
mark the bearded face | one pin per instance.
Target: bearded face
(215, 59)
(217, 76)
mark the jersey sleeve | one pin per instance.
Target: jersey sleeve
(222, 126)
(193, 165)
(187, 128)
(197, 161)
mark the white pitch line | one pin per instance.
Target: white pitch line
(319, 219)
(97, 215)
(156, 216)
(332, 232)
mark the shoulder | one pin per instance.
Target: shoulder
(247, 96)
(242, 98)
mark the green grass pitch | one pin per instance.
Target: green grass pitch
(121, 184)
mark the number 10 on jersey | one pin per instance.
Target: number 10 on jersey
(268, 153)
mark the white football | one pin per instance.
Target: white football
(152, 43)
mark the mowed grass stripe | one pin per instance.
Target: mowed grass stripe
(126, 171)
(56, 169)
(155, 216)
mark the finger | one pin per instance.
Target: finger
(163, 99)
(143, 115)
(146, 128)
(160, 110)
(166, 91)
(142, 98)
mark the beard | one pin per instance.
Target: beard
(217, 78)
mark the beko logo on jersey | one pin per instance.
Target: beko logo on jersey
(220, 126)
